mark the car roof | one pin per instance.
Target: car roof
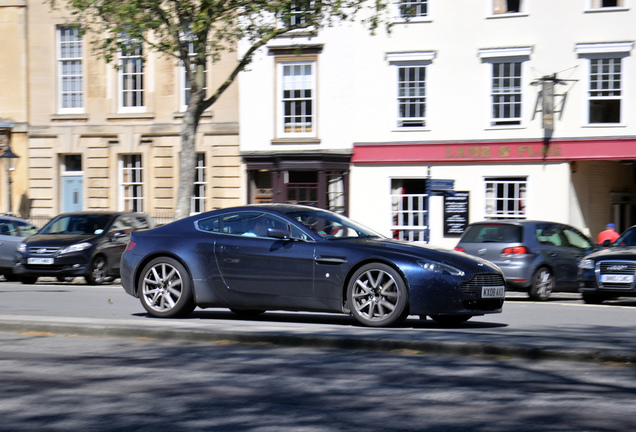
(516, 222)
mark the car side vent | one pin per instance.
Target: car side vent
(480, 280)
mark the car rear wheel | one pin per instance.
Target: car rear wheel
(165, 288)
(542, 284)
(98, 272)
(377, 296)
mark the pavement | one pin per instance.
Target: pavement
(543, 332)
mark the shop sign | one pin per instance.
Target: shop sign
(455, 214)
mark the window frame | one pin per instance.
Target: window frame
(604, 51)
(590, 6)
(498, 56)
(399, 17)
(131, 163)
(420, 59)
(492, 11)
(199, 199)
(281, 64)
(61, 93)
(184, 85)
(122, 91)
(521, 187)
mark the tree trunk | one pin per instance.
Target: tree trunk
(187, 158)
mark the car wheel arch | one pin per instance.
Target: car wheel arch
(362, 263)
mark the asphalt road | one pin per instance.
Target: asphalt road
(563, 328)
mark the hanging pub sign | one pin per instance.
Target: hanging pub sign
(455, 214)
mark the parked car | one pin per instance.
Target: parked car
(288, 257)
(610, 273)
(87, 244)
(537, 257)
(13, 231)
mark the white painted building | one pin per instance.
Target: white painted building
(365, 124)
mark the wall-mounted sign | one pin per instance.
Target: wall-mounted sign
(455, 214)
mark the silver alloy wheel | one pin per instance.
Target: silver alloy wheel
(375, 295)
(162, 287)
(542, 284)
(98, 271)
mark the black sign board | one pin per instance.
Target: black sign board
(455, 214)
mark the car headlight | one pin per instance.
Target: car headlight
(437, 267)
(22, 248)
(75, 248)
(587, 264)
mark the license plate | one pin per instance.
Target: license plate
(493, 292)
(615, 278)
(41, 261)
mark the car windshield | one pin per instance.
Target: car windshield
(627, 239)
(331, 226)
(492, 233)
(77, 224)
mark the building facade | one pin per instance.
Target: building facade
(466, 111)
(98, 136)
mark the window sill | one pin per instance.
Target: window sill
(607, 9)
(296, 141)
(495, 128)
(508, 15)
(399, 20)
(604, 125)
(69, 117)
(181, 114)
(412, 129)
(131, 116)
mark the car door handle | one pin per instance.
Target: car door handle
(554, 254)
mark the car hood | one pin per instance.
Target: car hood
(456, 259)
(58, 239)
(617, 252)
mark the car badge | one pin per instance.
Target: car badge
(41, 251)
(481, 252)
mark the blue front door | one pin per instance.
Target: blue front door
(72, 193)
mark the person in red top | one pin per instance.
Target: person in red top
(609, 234)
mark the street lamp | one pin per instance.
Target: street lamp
(9, 160)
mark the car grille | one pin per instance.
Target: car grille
(42, 250)
(481, 280)
(627, 268)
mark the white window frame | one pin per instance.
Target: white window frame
(596, 6)
(420, 59)
(131, 190)
(199, 198)
(64, 77)
(184, 84)
(492, 56)
(496, 9)
(399, 17)
(306, 82)
(518, 199)
(123, 74)
(603, 51)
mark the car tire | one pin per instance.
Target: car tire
(451, 319)
(591, 298)
(28, 280)
(98, 271)
(165, 288)
(377, 296)
(542, 284)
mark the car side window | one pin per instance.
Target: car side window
(549, 235)
(576, 239)
(26, 229)
(8, 229)
(122, 224)
(209, 224)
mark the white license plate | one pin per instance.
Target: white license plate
(41, 261)
(615, 278)
(493, 292)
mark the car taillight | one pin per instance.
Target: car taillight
(130, 246)
(460, 249)
(515, 250)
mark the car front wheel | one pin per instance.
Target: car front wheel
(165, 288)
(377, 296)
(542, 284)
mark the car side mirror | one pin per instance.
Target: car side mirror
(606, 243)
(278, 233)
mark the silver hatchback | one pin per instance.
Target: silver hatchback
(537, 257)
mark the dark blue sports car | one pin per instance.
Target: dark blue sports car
(288, 257)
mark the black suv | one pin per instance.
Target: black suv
(87, 244)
